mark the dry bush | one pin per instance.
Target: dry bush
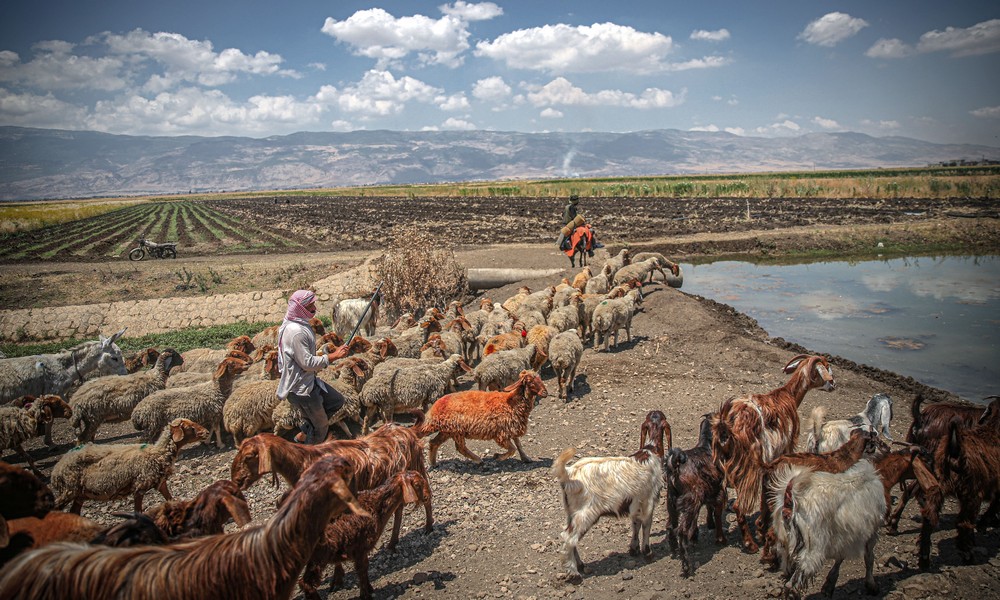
(417, 272)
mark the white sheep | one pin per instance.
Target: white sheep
(199, 403)
(607, 485)
(618, 261)
(826, 437)
(600, 283)
(112, 399)
(44, 374)
(826, 515)
(408, 387)
(248, 409)
(663, 261)
(638, 270)
(500, 369)
(565, 351)
(408, 342)
(113, 471)
(32, 418)
(570, 316)
(612, 315)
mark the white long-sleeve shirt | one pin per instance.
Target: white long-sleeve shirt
(297, 359)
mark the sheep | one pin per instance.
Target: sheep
(476, 320)
(205, 514)
(409, 388)
(618, 261)
(353, 537)
(511, 304)
(461, 327)
(112, 399)
(541, 336)
(540, 301)
(408, 342)
(477, 415)
(824, 437)
(261, 562)
(612, 315)
(188, 378)
(204, 360)
(18, 425)
(861, 445)
(568, 317)
(637, 270)
(373, 458)
(826, 515)
(600, 283)
(269, 335)
(967, 463)
(565, 351)
(140, 359)
(499, 369)
(58, 373)
(248, 409)
(661, 260)
(580, 279)
(753, 430)
(513, 338)
(199, 403)
(113, 471)
(693, 480)
(56, 526)
(592, 301)
(286, 417)
(609, 486)
(352, 313)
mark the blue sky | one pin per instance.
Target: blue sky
(917, 68)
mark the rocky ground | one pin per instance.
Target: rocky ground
(496, 532)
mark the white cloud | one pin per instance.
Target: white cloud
(560, 91)
(989, 112)
(708, 128)
(54, 68)
(891, 48)
(341, 125)
(779, 128)
(981, 38)
(826, 123)
(491, 89)
(482, 11)
(31, 110)
(457, 125)
(831, 29)
(317, 66)
(735, 130)
(888, 125)
(551, 113)
(375, 33)
(186, 60)
(453, 102)
(379, 94)
(710, 36)
(708, 62)
(584, 49)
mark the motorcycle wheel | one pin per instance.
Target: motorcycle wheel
(136, 254)
(169, 253)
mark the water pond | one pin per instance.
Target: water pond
(932, 318)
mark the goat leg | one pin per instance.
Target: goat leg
(831, 579)
(397, 523)
(871, 588)
(633, 547)
(749, 545)
(716, 511)
(991, 518)
(892, 523)
(361, 570)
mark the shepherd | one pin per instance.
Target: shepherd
(577, 236)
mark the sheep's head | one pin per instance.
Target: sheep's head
(184, 431)
(358, 345)
(331, 338)
(56, 406)
(317, 326)
(531, 385)
(170, 358)
(229, 368)
(486, 304)
(385, 348)
(241, 343)
(271, 364)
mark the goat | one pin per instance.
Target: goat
(375, 458)
(478, 415)
(826, 515)
(353, 537)
(205, 514)
(914, 463)
(348, 312)
(22, 494)
(750, 431)
(259, 562)
(693, 481)
(824, 437)
(610, 486)
(861, 444)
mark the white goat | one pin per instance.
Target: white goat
(826, 437)
(347, 313)
(826, 515)
(608, 485)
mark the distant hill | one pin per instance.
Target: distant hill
(46, 163)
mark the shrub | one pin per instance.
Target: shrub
(419, 271)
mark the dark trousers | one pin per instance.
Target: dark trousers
(316, 409)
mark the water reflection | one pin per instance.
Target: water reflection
(932, 318)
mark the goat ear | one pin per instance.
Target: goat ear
(344, 493)
(238, 509)
(263, 459)
(794, 363)
(177, 434)
(409, 494)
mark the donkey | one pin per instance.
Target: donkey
(58, 373)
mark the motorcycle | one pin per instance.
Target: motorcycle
(165, 250)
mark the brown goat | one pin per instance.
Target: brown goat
(967, 464)
(205, 514)
(258, 562)
(750, 431)
(693, 481)
(353, 537)
(479, 415)
(912, 463)
(861, 444)
(375, 458)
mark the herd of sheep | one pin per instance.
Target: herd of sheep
(825, 503)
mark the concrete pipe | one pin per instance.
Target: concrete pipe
(484, 279)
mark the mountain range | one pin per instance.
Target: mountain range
(52, 164)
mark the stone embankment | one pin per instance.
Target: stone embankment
(159, 315)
